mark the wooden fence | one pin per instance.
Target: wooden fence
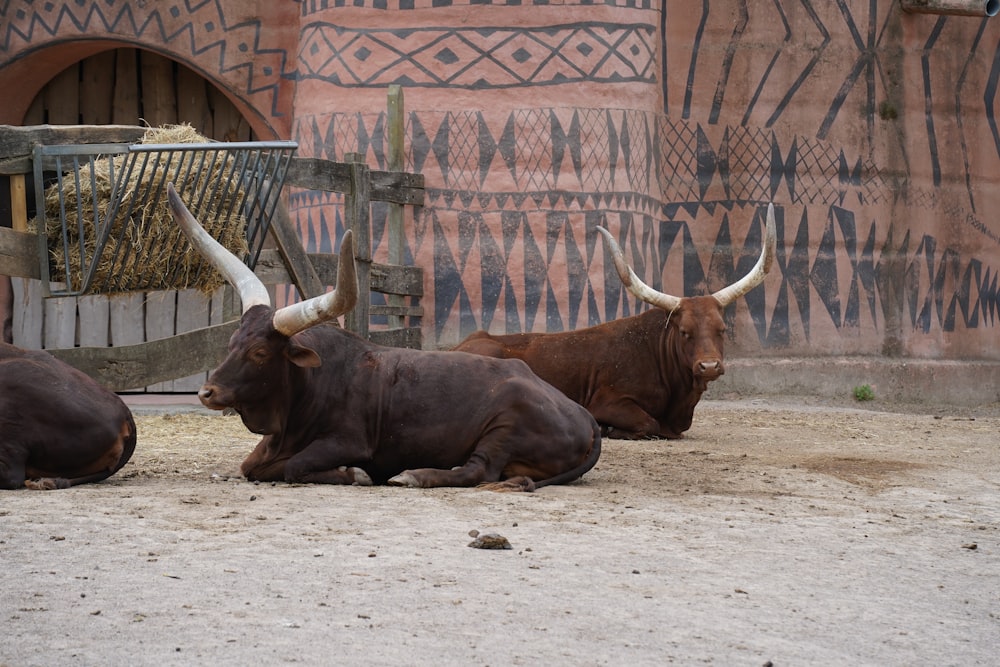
(165, 341)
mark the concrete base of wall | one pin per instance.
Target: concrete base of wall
(903, 381)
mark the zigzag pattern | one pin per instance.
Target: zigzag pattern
(310, 7)
(478, 240)
(200, 28)
(684, 196)
(477, 58)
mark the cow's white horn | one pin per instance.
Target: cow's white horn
(636, 287)
(300, 316)
(251, 290)
(727, 295)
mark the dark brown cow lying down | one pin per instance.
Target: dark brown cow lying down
(336, 409)
(58, 427)
(640, 376)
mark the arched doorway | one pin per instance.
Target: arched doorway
(128, 86)
(124, 86)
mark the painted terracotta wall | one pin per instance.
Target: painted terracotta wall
(673, 124)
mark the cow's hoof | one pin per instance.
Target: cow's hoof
(404, 478)
(46, 483)
(361, 478)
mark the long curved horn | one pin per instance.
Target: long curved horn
(727, 295)
(724, 296)
(297, 317)
(631, 281)
(250, 288)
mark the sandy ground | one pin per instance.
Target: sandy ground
(776, 532)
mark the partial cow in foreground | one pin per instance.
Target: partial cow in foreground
(58, 426)
(336, 409)
(640, 376)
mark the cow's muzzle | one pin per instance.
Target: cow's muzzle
(211, 398)
(709, 369)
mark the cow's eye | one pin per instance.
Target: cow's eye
(258, 355)
(686, 334)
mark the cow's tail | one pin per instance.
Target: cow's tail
(580, 470)
(526, 484)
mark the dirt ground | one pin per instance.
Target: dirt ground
(774, 533)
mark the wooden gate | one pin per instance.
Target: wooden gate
(166, 343)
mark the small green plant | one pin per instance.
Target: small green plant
(863, 393)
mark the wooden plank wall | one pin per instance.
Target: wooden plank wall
(145, 89)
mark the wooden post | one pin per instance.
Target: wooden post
(357, 217)
(19, 222)
(18, 203)
(396, 127)
(289, 245)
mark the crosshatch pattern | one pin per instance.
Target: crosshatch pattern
(527, 259)
(507, 236)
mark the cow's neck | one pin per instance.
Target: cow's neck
(675, 372)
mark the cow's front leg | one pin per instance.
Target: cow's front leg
(12, 473)
(264, 464)
(480, 469)
(341, 475)
(430, 477)
(323, 462)
(622, 418)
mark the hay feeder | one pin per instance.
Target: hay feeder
(108, 228)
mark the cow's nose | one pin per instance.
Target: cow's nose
(712, 367)
(205, 393)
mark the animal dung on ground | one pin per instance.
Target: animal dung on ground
(489, 541)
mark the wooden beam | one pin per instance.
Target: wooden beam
(398, 187)
(300, 269)
(385, 278)
(410, 337)
(318, 174)
(391, 186)
(17, 143)
(357, 217)
(18, 203)
(397, 311)
(19, 254)
(402, 280)
(395, 126)
(132, 366)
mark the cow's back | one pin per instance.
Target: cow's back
(620, 354)
(418, 400)
(58, 415)
(615, 370)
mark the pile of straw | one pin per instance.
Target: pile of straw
(147, 250)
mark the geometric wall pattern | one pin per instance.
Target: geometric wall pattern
(693, 116)
(497, 57)
(233, 49)
(537, 222)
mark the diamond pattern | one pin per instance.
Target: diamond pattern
(479, 58)
(528, 258)
(507, 235)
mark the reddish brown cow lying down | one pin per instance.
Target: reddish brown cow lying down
(640, 376)
(337, 409)
(58, 427)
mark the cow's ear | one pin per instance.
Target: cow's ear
(304, 357)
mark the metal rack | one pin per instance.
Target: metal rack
(222, 184)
